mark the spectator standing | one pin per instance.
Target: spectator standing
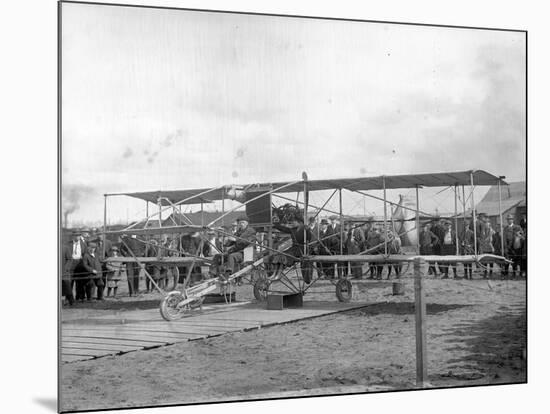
(467, 248)
(323, 247)
(516, 252)
(152, 251)
(448, 248)
(428, 240)
(510, 231)
(394, 247)
(66, 287)
(354, 245)
(130, 245)
(94, 277)
(116, 271)
(375, 245)
(335, 242)
(485, 239)
(439, 230)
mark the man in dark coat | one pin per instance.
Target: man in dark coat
(297, 231)
(354, 243)
(132, 268)
(374, 244)
(510, 231)
(244, 236)
(335, 242)
(66, 287)
(448, 248)
(94, 278)
(439, 230)
(77, 248)
(427, 241)
(327, 268)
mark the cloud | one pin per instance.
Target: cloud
(127, 153)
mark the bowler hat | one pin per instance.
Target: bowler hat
(509, 216)
(333, 217)
(242, 218)
(324, 221)
(92, 244)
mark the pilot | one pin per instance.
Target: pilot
(244, 236)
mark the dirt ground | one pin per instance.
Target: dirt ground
(476, 335)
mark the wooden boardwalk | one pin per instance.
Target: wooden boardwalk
(84, 339)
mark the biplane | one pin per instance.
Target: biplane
(275, 264)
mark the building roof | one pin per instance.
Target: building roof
(513, 195)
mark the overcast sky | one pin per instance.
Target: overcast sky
(167, 99)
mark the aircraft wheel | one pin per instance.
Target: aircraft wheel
(344, 290)
(175, 276)
(261, 288)
(168, 307)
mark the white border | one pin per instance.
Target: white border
(29, 33)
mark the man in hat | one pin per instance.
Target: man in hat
(244, 236)
(323, 248)
(77, 248)
(94, 276)
(511, 233)
(130, 245)
(66, 288)
(300, 235)
(335, 241)
(374, 244)
(448, 248)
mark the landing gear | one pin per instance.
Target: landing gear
(261, 289)
(170, 310)
(344, 290)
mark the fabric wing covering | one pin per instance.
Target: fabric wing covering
(206, 195)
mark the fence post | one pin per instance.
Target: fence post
(420, 324)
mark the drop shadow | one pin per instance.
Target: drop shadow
(48, 403)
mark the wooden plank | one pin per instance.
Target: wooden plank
(163, 330)
(86, 352)
(148, 331)
(113, 342)
(106, 347)
(139, 337)
(185, 329)
(73, 358)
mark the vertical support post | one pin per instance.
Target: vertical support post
(456, 221)
(341, 223)
(385, 218)
(202, 214)
(417, 222)
(104, 222)
(420, 324)
(500, 216)
(146, 208)
(223, 226)
(463, 208)
(474, 223)
(306, 202)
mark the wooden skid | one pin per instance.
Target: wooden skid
(86, 341)
(400, 258)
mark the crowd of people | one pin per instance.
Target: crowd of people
(87, 274)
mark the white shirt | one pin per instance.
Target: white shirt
(448, 238)
(77, 251)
